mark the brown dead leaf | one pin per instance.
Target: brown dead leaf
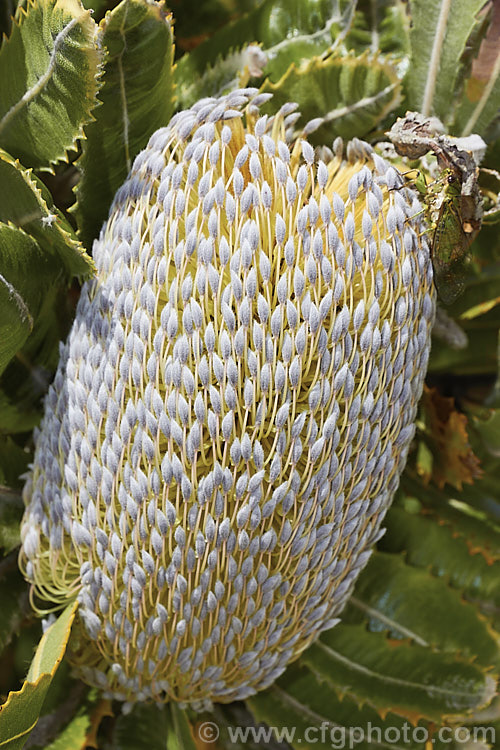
(447, 439)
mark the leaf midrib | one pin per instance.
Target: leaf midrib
(44, 79)
(429, 689)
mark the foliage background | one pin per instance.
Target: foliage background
(80, 94)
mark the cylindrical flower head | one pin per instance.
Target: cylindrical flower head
(233, 407)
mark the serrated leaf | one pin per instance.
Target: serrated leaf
(27, 204)
(29, 280)
(433, 615)
(7, 10)
(20, 712)
(350, 94)
(481, 96)
(431, 543)
(52, 646)
(39, 357)
(11, 511)
(438, 37)
(473, 525)
(445, 434)
(286, 31)
(380, 25)
(20, 296)
(404, 678)
(98, 6)
(306, 712)
(137, 98)
(48, 81)
(65, 718)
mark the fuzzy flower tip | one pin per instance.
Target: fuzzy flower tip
(233, 407)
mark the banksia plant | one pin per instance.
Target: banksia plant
(233, 407)
(240, 495)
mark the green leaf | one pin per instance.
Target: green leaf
(474, 512)
(20, 295)
(30, 276)
(433, 615)
(222, 719)
(74, 734)
(479, 316)
(35, 364)
(7, 10)
(479, 289)
(11, 512)
(305, 711)
(48, 82)
(52, 646)
(12, 418)
(13, 462)
(439, 33)
(137, 99)
(15, 606)
(350, 94)
(475, 524)
(179, 736)
(144, 728)
(287, 31)
(27, 204)
(66, 713)
(99, 7)
(151, 727)
(404, 678)
(429, 544)
(481, 96)
(20, 712)
(477, 359)
(380, 26)
(194, 21)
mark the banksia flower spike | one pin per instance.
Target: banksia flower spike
(233, 407)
